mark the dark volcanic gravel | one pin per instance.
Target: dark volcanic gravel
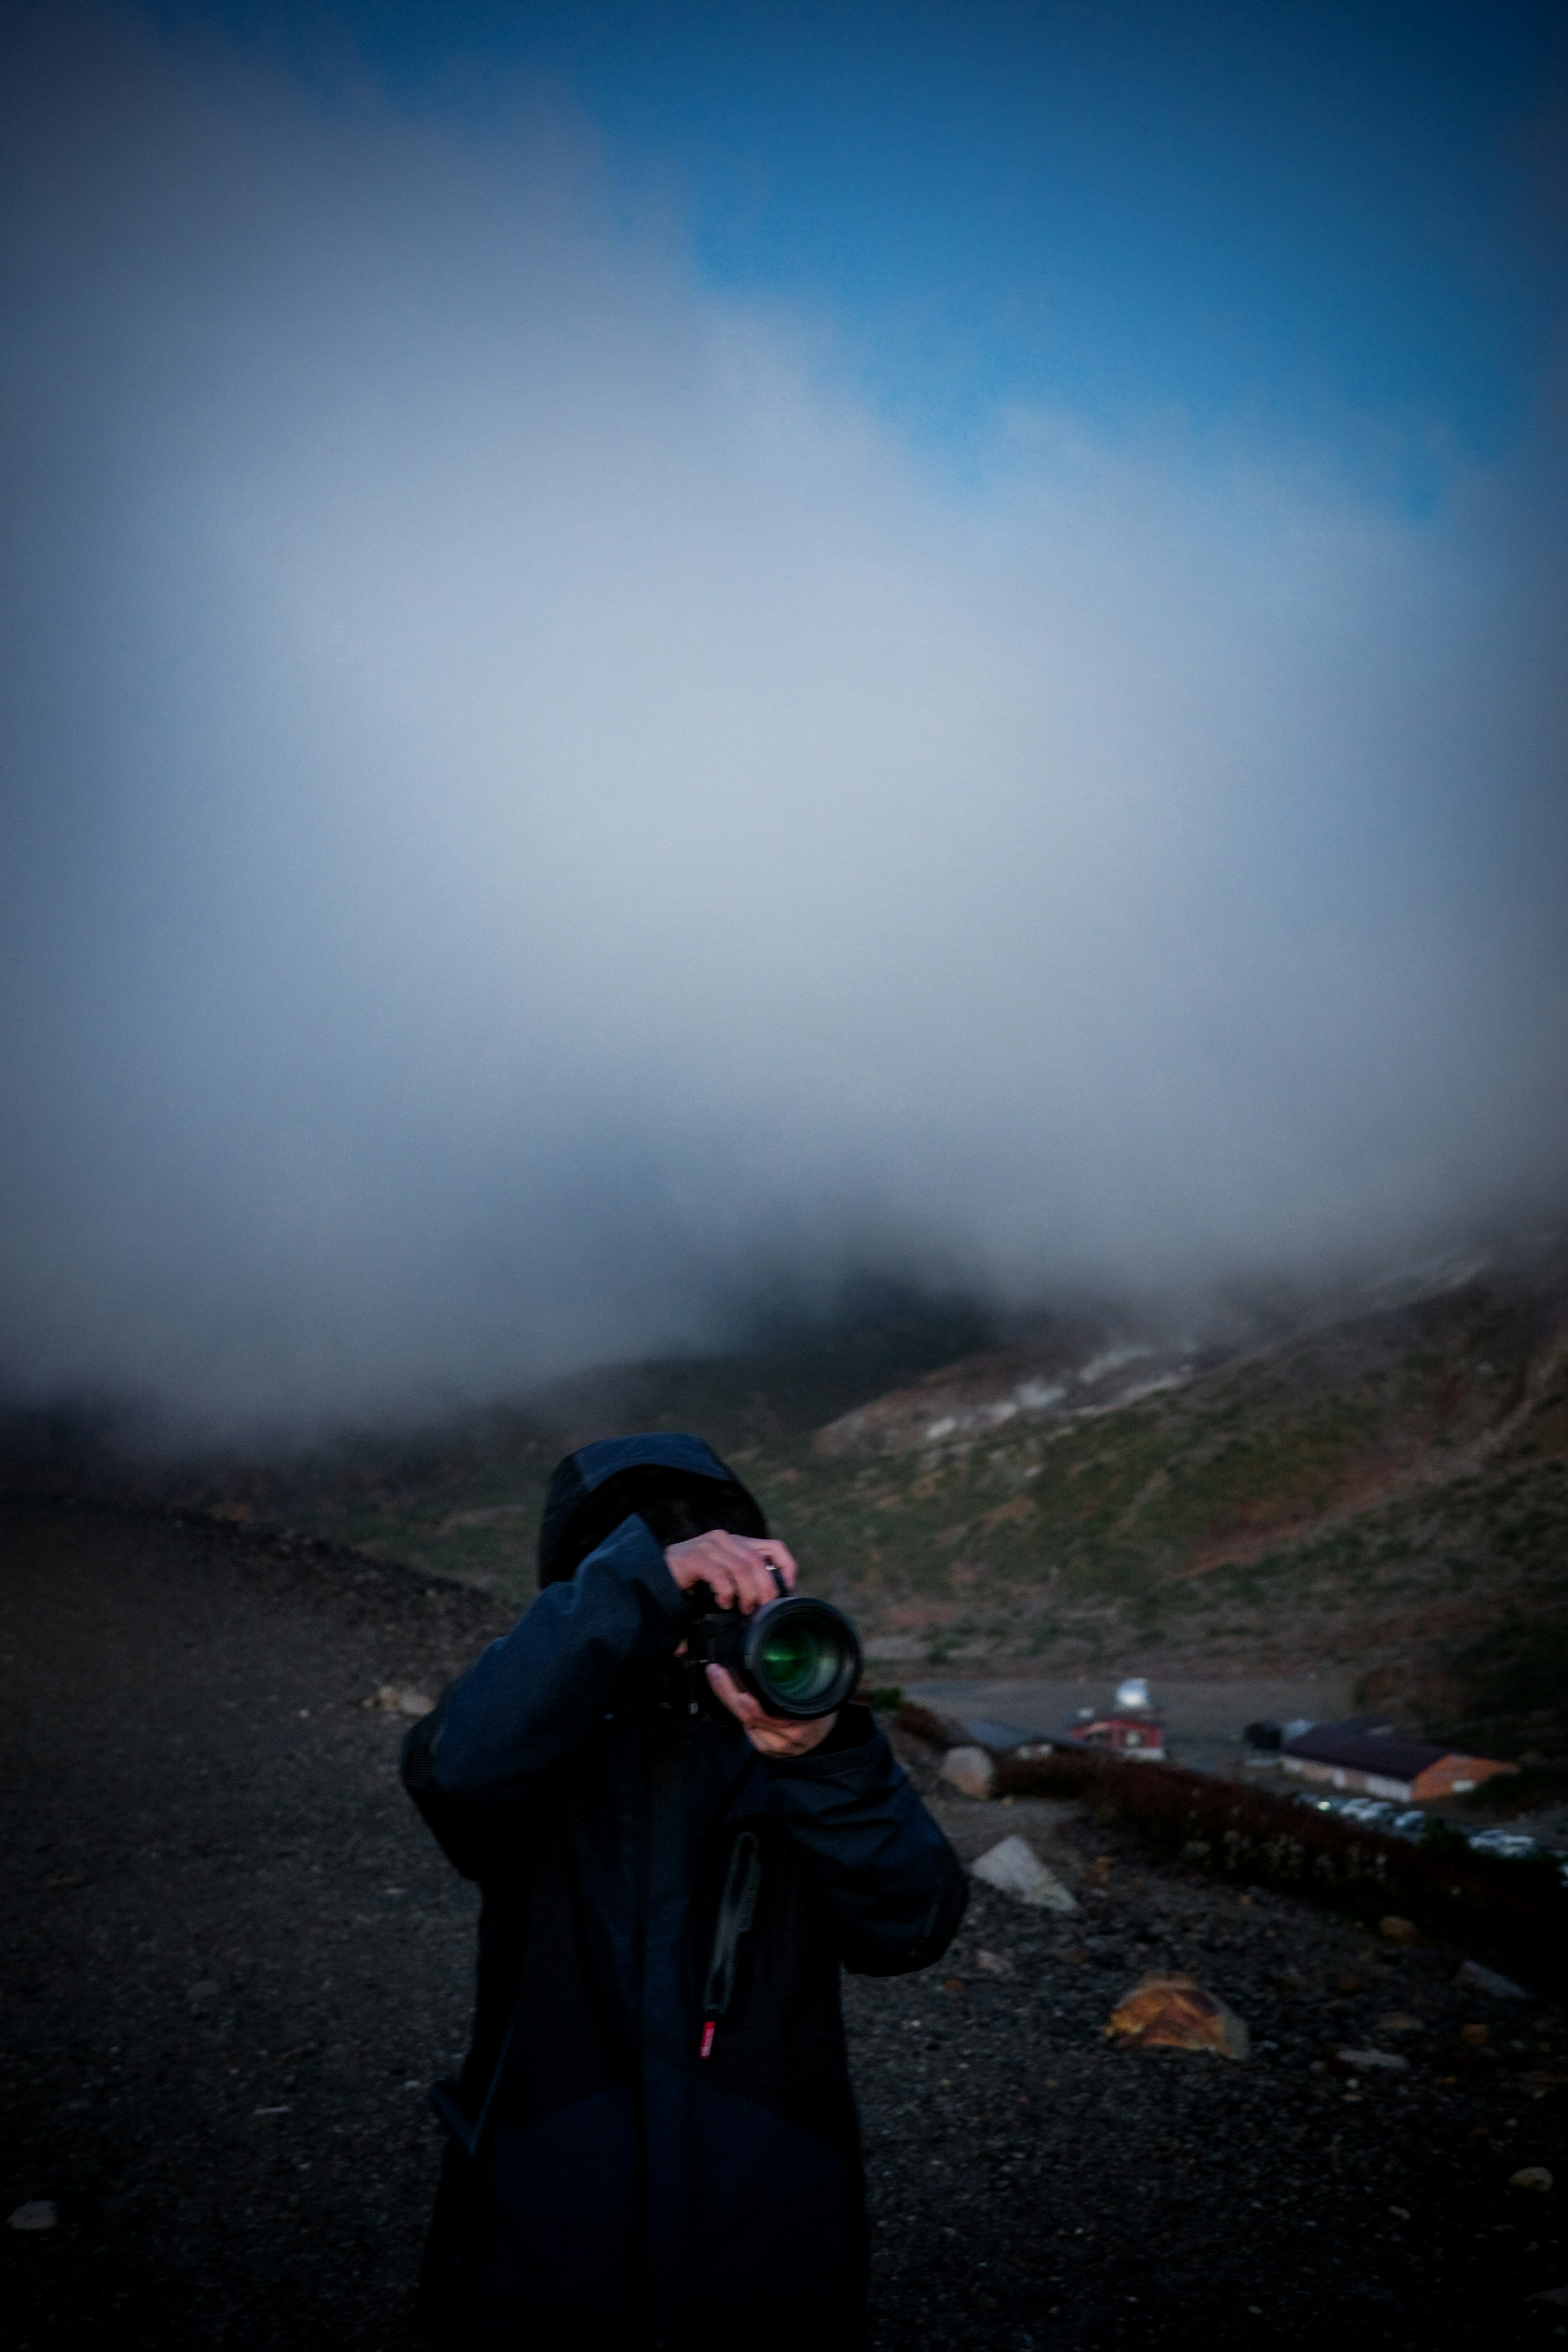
(230, 1960)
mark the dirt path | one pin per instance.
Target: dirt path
(230, 1961)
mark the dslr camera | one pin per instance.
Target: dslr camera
(798, 1658)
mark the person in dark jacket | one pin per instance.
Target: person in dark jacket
(654, 2143)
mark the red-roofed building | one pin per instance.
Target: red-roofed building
(1140, 1736)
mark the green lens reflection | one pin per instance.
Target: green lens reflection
(799, 1660)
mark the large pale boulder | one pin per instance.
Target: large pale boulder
(969, 1769)
(1014, 1868)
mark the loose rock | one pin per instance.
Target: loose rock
(993, 1963)
(969, 1769)
(1531, 2176)
(1174, 2012)
(1473, 1977)
(38, 2213)
(1372, 2061)
(393, 1698)
(1014, 1868)
(1398, 1930)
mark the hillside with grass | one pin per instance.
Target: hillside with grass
(1387, 1493)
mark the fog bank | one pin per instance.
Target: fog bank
(527, 806)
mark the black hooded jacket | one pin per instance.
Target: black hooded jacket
(654, 2140)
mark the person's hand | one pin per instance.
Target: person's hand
(770, 1735)
(737, 1569)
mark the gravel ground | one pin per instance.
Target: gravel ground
(230, 1960)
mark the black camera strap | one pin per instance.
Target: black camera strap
(737, 1912)
(466, 2132)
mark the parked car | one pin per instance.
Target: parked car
(1512, 1844)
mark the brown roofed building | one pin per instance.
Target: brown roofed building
(1379, 1764)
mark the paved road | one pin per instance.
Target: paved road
(1203, 1719)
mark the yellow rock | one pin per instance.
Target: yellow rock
(1174, 2012)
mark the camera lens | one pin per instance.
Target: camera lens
(803, 1657)
(798, 1663)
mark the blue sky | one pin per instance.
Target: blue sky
(1332, 225)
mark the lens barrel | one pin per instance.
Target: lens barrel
(799, 1658)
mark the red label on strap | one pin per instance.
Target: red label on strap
(707, 2033)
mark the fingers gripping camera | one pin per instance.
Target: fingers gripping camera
(798, 1658)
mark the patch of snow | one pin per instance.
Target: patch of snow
(1111, 1360)
(1429, 1277)
(1124, 1397)
(943, 1428)
(1150, 1388)
(1038, 1396)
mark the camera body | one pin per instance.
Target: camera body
(799, 1658)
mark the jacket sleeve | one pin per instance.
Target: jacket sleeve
(537, 1692)
(894, 1884)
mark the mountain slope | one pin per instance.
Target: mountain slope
(1383, 1489)
(1389, 1492)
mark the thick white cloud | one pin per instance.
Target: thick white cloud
(527, 800)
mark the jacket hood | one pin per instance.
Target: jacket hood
(592, 1490)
